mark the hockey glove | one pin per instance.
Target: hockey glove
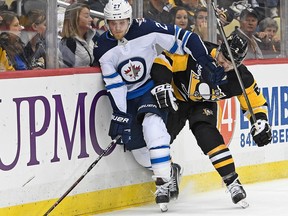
(210, 72)
(164, 95)
(261, 132)
(121, 125)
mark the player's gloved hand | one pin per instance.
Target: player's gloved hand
(121, 125)
(165, 98)
(261, 132)
(210, 71)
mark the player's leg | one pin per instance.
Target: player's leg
(203, 123)
(157, 141)
(175, 123)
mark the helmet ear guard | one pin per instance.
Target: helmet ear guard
(238, 47)
(117, 10)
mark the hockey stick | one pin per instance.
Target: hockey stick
(82, 176)
(221, 29)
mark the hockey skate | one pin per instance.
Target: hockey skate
(238, 194)
(176, 173)
(162, 194)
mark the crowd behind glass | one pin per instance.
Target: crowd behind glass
(22, 36)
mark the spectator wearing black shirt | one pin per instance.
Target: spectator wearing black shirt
(158, 11)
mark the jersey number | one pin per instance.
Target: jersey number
(159, 25)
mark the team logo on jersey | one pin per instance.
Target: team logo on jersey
(133, 70)
(207, 112)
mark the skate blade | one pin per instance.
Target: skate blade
(163, 207)
(243, 203)
(179, 181)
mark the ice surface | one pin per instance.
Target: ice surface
(265, 199)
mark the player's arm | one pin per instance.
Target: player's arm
(257, 101)
(117, 92)
(179, 41)
(161, 73)
(260, 130)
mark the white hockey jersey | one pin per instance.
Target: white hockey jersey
(126, 64)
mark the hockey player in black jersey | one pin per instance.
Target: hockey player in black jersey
(196, 98)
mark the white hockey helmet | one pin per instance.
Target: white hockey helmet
(117, 10)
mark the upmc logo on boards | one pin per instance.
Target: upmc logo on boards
(228, 119)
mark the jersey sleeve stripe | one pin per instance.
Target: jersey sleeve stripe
(175, 45)
(115, 85)
(111, 75)
(184, 41)
(174, 48)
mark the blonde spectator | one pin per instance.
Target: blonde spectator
(76, 45)
(33, 36)
(11, 42)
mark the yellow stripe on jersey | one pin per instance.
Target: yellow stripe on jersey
(256, 100)
(179, 62)
(162, 60)
(177, 93)
(213, 53)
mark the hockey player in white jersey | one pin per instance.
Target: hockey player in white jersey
(126, 53)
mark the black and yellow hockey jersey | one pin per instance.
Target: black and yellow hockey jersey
(188, 84)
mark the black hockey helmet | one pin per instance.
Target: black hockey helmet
(238, 47)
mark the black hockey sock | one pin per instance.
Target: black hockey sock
(228, 179)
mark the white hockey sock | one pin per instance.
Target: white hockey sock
(161, 162)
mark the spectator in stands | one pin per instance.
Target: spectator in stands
(190, 5)
(33, 36)
(201, 25)
(158, 10)
(3, 5)
(76, 45)
(270, 42)
(71, 1)
(248, 25)
(273, 8)
(265, 8)
(225, 12)
(27, 5)
(97, 5)
(4, 62)
(11, 42)
(180, 17)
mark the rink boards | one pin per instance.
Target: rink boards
(54, 124)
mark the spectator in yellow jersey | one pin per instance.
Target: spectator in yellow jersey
(11, 41)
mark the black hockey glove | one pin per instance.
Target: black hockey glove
(165, 98)
(261, 132)
(121, 125)
(210, 72)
